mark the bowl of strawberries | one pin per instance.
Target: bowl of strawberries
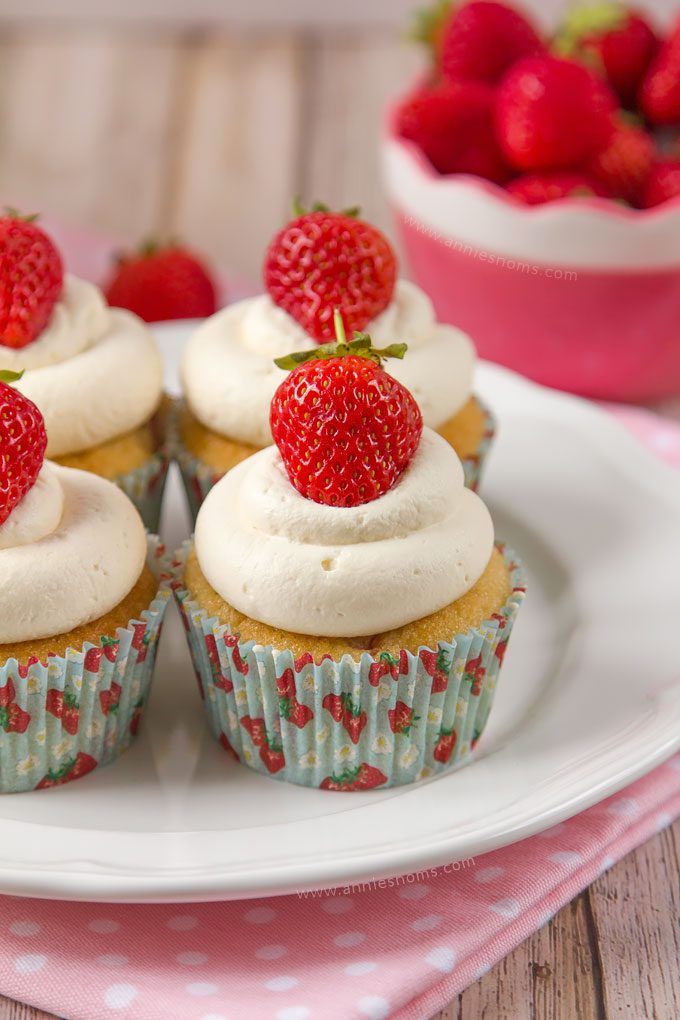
(535, 182)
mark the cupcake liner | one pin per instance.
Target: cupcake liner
(145, 487)
(347, 725)
(199, 478)
(61, 720)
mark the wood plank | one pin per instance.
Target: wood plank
(10, 1010)
(85, 124)
(236, 163)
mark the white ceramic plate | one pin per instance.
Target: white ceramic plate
(589, 700)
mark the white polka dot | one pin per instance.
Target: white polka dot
(349, 939)
(482, 971)
(282, 983)
(30, 963)
(606, 864)
(113, 960)
(442, 957)
(120, 996)
(625, 806)
(374, 1007)
(191, 959)
(340, 905)
(182, 922)
(426, 923)
(360, 967)
(674, 764)
(270, 952)
(555, 830)
(260, 915)
(570, 858)
(24, 928)
(508, 907)
(201, 988)
(292, 1013)
(103, 926)
(484, 875)
(662, 821)
(414, 892)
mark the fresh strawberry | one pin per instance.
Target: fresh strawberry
(110, 700)
(401, 718)
(74, 768)
(622, 166)
(31, 279)
(256, 730)
(23, 441)
(136, 720)
(345, 429)
(445, 744)
(438, 666)
(453, 124)
(662, 184)
(271, 753)
(324, 260)
(551, 185)
(660, 90)
(343, 709)
(162, 282)
(361, 777)
(552, 113)
(64, 706)
(611, 39)
(224, 741)
(482, 39)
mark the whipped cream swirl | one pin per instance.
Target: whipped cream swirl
(229, 377)
(95, 372)
(70, 551)
(344, 572)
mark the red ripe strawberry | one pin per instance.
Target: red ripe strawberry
(663, 183)
(324, 260)
(482, 39)
(345, 429)
(110, 700)
(453, 124)
(445, 744)
(31, 280)
(362, 777)
(23, 441)
(64, 706)
(401, 718)
(660, 90)
(552, 113)
(549, 186)
(611, 39)
(159, 283)
(438, 666)
(224, 741)
(74, 768)
(622, 166)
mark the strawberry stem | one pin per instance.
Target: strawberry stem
(339, 325)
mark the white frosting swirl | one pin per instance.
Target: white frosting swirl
(344, 572)
(229, 377)
(69, 553)
(95, 372)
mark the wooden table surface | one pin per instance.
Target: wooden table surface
(207, 135)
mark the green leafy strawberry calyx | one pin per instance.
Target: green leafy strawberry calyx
(361, 346)
(10, 377)
(428, 24)
(14, 214)
(299, 209)
(587, 20)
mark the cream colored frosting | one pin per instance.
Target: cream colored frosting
(229, 377)
(71, 550)
(344, 572)
(95, 372)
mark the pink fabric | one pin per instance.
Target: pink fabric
(400, 949)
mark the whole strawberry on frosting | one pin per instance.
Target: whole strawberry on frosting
(23, 441)
(31, 279)
(345, 429)
(323, 260)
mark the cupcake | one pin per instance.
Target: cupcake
(318, 262)
(81, 608)
(95, 372)
(346, 606)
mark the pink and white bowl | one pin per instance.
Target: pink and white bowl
(580, 294)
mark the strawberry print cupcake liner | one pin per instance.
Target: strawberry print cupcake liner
(348, 725)
(145, 487)
(65, 718)
(473, 464)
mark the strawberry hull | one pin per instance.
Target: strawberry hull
(348, 726)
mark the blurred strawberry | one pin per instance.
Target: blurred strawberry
(622, 166)
(159, 283)
(482, 39)
(618, 42)
(660, 89)
(552, 114)
(453, 125)
(663, 183)
(535, 189)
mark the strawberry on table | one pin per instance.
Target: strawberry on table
(31, 279)
(323, 260)
(162, 282)
(361, 777)
(23, 442)
(549, 186)
(621, 168)
(662, 184)
(481, 39)
(660, 89)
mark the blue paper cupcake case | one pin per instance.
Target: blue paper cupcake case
(348, 725)
(199, 478)
(145, 487)
(61, 720)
